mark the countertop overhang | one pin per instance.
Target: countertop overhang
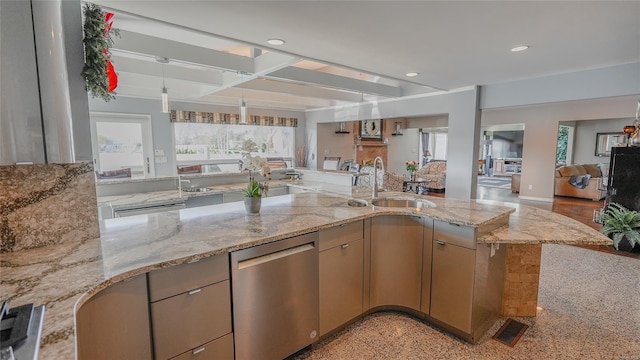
(64, 276)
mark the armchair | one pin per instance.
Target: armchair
(435, 171)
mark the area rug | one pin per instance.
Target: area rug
(495, 182)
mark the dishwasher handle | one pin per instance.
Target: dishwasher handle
(275, 256)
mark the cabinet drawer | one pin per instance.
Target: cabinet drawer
(341, 234)
(454, 234)
(178, 279)
(188, 320)
(218, 349)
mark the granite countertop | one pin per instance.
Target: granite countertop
(165, 196)
(64, 276)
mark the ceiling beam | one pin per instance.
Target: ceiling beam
(335, 81)
(206, 76)
(150, 45)
(283, 87)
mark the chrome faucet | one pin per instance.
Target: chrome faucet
(374, 190)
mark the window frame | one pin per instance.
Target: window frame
(147, 137)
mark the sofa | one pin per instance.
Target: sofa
(580, 181)
(436, 172)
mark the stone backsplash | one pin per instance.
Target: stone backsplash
(47, 204)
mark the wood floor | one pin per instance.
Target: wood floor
(577, 209)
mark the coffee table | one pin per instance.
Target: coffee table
(419, 185)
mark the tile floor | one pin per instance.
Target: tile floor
(589, 308)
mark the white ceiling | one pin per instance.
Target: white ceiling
(339, 52)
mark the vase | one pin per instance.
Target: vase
(252, 204)
(413, 176)
(625, 245)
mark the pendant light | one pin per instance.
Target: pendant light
(243, 111)
(164, 95)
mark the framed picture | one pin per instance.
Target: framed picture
(605, 141)
(371, 129)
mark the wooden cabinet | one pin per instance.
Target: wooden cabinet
(341, 275)
(396, 261)
(507, 166)
(190, 307)
(114, 323)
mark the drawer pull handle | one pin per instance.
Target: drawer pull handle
(344, 246)
(342, 225)
(440, 242)
(196, 351)
(192, 292)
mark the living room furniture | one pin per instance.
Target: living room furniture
(435, 172)
(419, 185)
(593, 190)
(389, 181)
(331, 163)
(506, 167)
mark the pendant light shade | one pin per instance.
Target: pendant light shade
(165, 100)
(243, 112)
(164, 95)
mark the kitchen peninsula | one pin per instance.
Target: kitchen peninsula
(67, 275)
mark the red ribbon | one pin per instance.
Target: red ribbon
(111, 71)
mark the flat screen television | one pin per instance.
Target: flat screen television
(507, 144)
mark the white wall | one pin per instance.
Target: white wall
(402, 148)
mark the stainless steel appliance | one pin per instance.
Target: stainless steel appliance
(21, 329)
(149, 209)
(623, 185)
(275, 297)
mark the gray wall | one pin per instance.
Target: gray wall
(540, 135)
(585, 138)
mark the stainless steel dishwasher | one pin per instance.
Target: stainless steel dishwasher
(275, 297)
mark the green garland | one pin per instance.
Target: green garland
(95, 58)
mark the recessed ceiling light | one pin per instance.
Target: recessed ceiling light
(276, 42)
(520, 48)
(411, 74)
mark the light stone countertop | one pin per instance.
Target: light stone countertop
(64, 276)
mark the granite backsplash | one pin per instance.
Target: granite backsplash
(47, 204)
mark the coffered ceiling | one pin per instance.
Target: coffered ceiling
(341, 52)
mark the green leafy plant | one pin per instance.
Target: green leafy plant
(97, 42)
(620, 222)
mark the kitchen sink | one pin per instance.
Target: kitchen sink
(357, 203)
(403, 203)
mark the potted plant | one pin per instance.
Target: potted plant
(622, 226)
(255, 190)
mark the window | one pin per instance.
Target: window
(440, 146)
(121, 141)
(433, 140)
(219, 147)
